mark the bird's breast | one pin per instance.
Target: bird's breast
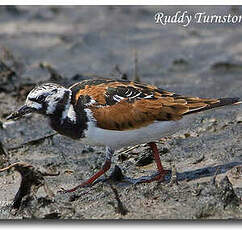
(119, 139)
(68, 128)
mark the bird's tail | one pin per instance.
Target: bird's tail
(214, 104)
(237, 103)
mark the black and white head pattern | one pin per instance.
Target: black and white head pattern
(45, 98)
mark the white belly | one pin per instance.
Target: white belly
(119, 139)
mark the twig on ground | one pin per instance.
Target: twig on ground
(136, 76)
(129, 149)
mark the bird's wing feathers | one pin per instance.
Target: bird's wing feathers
(122, 105)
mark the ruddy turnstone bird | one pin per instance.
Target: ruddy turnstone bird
(115, 114)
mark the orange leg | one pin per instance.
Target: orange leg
(161, 171)
(105, 168)
(107, 165)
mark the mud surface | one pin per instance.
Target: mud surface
(69, 44)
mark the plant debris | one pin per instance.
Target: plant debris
(31, 180)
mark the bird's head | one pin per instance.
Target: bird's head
(44, 99)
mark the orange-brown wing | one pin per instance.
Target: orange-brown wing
(140, 113)
(122, 105)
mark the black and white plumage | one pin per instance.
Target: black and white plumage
(115, 114)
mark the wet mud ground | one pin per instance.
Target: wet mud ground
(69, 44)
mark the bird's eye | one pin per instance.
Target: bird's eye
(40, 98)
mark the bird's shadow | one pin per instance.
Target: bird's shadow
(206, 171)
(120, 179)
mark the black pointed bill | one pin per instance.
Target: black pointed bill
(22, 111)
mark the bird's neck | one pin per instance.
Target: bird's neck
(67, 118)
(60, 108)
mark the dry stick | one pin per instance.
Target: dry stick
(136, 76)
(129, 149)
(137, 146)
(14, 164)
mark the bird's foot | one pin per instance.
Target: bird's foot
(160, 177)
